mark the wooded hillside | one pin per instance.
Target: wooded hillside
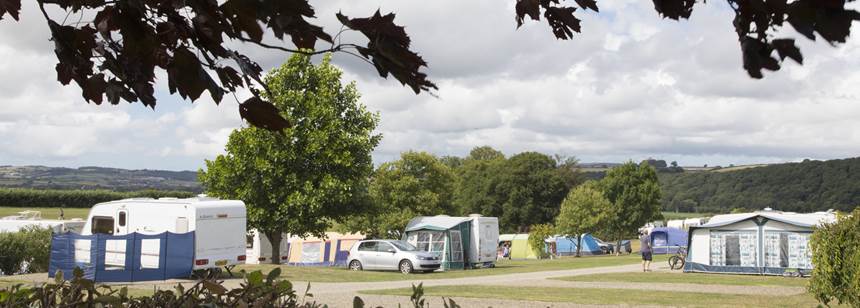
(803, 187)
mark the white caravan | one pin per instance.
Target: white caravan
(219, 226)
(485, 232)
(26, 219)
(259, 249)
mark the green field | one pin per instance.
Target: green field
(47, 212)
(339, 274)
(740, 280)
(588, 296)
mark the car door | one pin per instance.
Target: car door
(367, 254)
(385, 256)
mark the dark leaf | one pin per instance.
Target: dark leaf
(562, 21)
(588, 4)
(388, 49)
(674, 9)
(527, 7)
(13, 7)
(264, 115)
(357, 302)
(787, 49)
(94, 88)
(187, 76)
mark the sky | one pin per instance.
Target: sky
(631, 86)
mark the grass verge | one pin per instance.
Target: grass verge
(340, 274)
(47, 212)
(589, 296)
(695, 278)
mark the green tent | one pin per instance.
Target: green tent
(520, 248)
(447, 236)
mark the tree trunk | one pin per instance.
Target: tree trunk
(618, 247)
(275, 240)
(578, 245)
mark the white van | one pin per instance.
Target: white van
(485, 232)
(219, 226)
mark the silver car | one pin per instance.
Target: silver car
(391, 255)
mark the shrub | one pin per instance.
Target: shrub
(836, 257)
(537, 235)
(26, 251)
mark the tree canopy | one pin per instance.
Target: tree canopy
(116, 55)
(634, 192)
(417, 184)
(310, 174)
(584, 210)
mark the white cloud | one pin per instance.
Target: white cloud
(631, 86)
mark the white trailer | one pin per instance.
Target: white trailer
(219, 226)
(485, 240)
(259, 249)
(26, 219)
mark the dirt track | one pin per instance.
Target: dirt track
(341, 294)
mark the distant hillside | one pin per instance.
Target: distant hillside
(802, 187)
(42, 177)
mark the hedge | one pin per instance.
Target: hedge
(26, 251)
(22, 197)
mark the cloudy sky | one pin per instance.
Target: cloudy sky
(632, 86)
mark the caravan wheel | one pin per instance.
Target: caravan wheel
(355, 265)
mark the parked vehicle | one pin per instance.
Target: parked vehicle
(485, 233)
(219, 226)
(391, 255)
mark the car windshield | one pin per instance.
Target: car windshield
(404, 246)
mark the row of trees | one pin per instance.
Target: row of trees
(522, 190)
(318, 174)
(801, 187)
(613, 207)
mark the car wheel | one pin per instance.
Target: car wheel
(355, 265)
(405, 267)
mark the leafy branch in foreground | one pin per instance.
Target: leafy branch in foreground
(256, 290)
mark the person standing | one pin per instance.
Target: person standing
(645, 250)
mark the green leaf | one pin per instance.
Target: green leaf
(255, 278)
(214, 287)
(274, 274)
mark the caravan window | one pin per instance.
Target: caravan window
(122, 219)
(102, 224)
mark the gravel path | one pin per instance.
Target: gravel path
(341, 294)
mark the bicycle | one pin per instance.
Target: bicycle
(677, 261)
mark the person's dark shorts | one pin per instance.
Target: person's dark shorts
(646, 256)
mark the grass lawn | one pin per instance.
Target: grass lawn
(740, 280)
(341, 274)
(47, 212)
(611, 296)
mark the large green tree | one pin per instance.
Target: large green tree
(584, 210)
(634, 192)
(531, 187)
(478, 178)
(312, 173)
(417, 184)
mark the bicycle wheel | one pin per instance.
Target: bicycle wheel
(674, 262)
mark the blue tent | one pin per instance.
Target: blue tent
(566, 246)
(667, 240)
